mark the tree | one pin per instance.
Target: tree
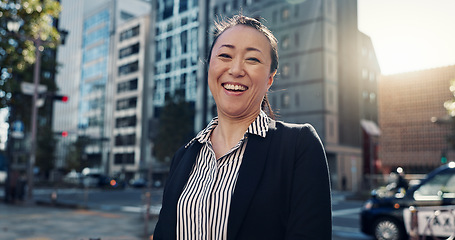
(37, 20)
(76, 159)
(176, 124)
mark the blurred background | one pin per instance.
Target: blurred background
(100, 94)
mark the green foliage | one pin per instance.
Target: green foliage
(17, 49)
(17, 56)
(75, 159)
(175, 127)
(45, 151)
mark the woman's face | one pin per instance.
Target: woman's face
(239, 73)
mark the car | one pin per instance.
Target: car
(138, 183)
(382, 216)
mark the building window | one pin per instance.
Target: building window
(129, 121)
(126, 103)
(123, 158)
(184, 21)
(285, 14)
(168, 9)
(183, 5)
(285, 42)
(297, 67)
(129, 33)
(168, 47)
(372, 77)
(128, 68)
(286, 70)
(130, 50)
(364, 73)
(127, 86)
(125, 140)
(285, 100)
(183, 63)
(184, 41)
(372, 97)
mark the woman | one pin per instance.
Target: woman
(246, 176)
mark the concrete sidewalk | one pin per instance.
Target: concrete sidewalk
(35, 222)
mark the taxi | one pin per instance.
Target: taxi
(431, 203)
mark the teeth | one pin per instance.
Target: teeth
(234, 87)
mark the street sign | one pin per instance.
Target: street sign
(29, 88)
(18, 129)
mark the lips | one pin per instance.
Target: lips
(234, 87)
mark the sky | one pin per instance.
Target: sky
(409, 35)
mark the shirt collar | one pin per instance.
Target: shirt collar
(259, 127)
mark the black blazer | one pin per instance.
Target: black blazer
(282, 190)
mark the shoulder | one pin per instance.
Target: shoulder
(305, 128)
(300, 134)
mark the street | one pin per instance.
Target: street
(118, 214)
(345, 215)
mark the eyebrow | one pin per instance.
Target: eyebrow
(248, 48)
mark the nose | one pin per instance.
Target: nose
(237, 68)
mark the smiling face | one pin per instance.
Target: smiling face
(239, 73)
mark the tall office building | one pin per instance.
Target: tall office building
(320, 78)
(176, 50)
(130, 142)
(68, 77)
(90, 80)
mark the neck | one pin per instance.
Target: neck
(229, 132)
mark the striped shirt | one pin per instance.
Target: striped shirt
(203, 206)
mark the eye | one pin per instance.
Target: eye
(253, 59)
(224, 55)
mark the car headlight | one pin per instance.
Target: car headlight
(368, 205)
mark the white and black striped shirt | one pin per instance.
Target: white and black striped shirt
(203, 206)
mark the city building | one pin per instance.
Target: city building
(412, 119)
(87, 77)
(130, 143)
(177, 54)
(327, 75)
(68, 78)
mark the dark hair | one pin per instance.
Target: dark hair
(222, 26)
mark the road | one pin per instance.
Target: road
(346, 219)
(131, 201)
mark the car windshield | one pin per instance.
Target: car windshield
(440, 186)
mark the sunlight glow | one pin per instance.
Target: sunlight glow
(409, 35)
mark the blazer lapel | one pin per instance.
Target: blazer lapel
(178, 179)
(250, 173)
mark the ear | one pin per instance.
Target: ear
(270, 79)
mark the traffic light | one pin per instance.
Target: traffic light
(62, 134)
(444, 157)
(62, 98)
